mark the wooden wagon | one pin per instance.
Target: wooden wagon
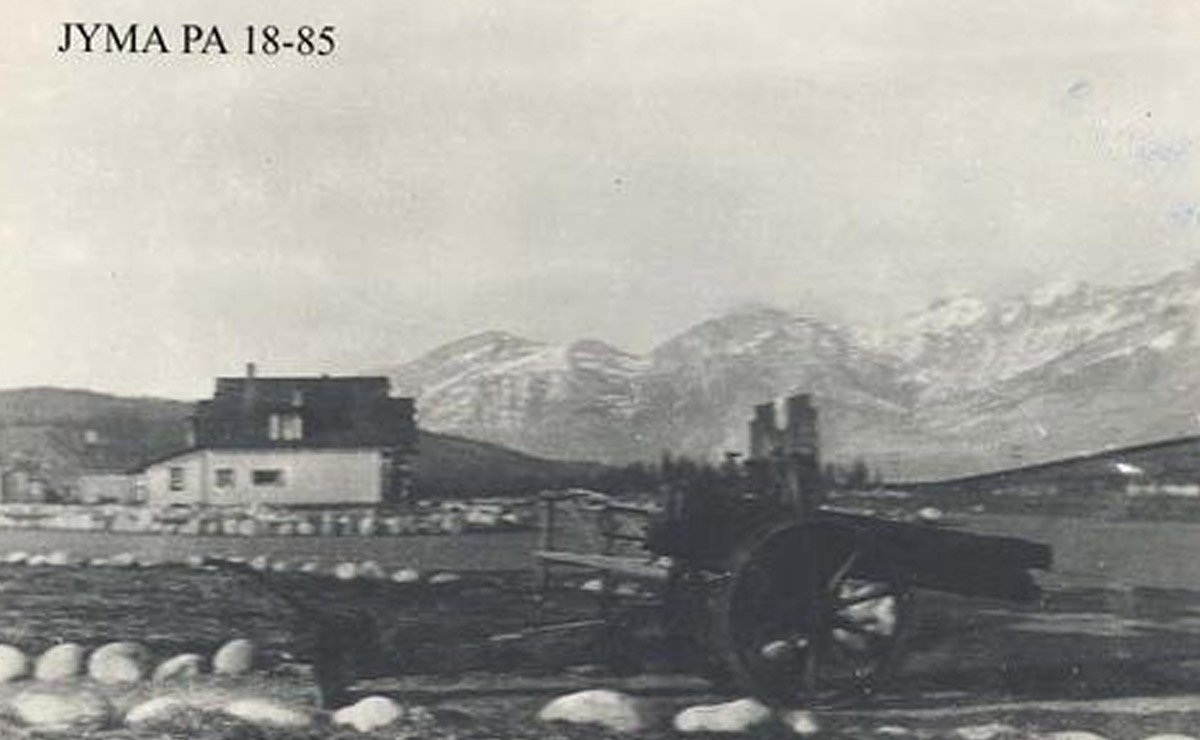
(751, 577)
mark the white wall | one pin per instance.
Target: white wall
(309, 477)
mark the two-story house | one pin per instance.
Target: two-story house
(292, 441)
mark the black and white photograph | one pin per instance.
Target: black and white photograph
(606, 369)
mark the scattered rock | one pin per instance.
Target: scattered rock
(1163, 736)
(801, 722)
(59, 662)
(260, 563)
(13, 663)
(611, 709)
(195, 561)
(236, 658)
(309, 567)
(281, 566)
(345, 571)
(733, 716)
(61, 708)
(594, 585)
(156, 711)
(1083, 735)
(406, 575)
(60, 558)
(36, 560)
(123, 560)
(269, 713)
(306, 529)
(184, 665)
(930, 514)
(369, 714)
(370, 569)
(893, 731)
(988, 731)
(16, 558)
(118, 662)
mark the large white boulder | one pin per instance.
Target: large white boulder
(13, 664)
(159, 710)
(184, 665)
(611, 709)
(1087, 735)
(930, 514)
(406, 575)
(369, 714)
(345, 571)
(371, 569)
(728, 717)
(1169, 736)
(59, 662)
(269, 713)
(61, 708)
(60, 558)
(801, 722)
(235, 658)
(987, 731)
(118, 662)
(16, 558)
(123, 560)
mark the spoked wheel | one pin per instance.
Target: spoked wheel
(801, 623)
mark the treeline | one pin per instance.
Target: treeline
(676, 470)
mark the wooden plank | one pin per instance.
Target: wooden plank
(626, 566)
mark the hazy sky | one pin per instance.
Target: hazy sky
(611, 169)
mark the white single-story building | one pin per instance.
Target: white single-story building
(281, 477)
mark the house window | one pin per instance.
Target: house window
(268, 477)
(176, 478)
(225, 478)
(287, 427)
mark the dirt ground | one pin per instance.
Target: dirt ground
(1124, 663)
(1095, 654)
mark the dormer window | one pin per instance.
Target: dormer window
(285, 427)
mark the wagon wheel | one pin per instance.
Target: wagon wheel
(798, 620)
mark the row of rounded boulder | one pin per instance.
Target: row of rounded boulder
(122, 662)
(445, 518)
(622, 713)
(346, 570)
(67, 708)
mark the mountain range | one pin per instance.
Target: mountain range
(965, 386)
